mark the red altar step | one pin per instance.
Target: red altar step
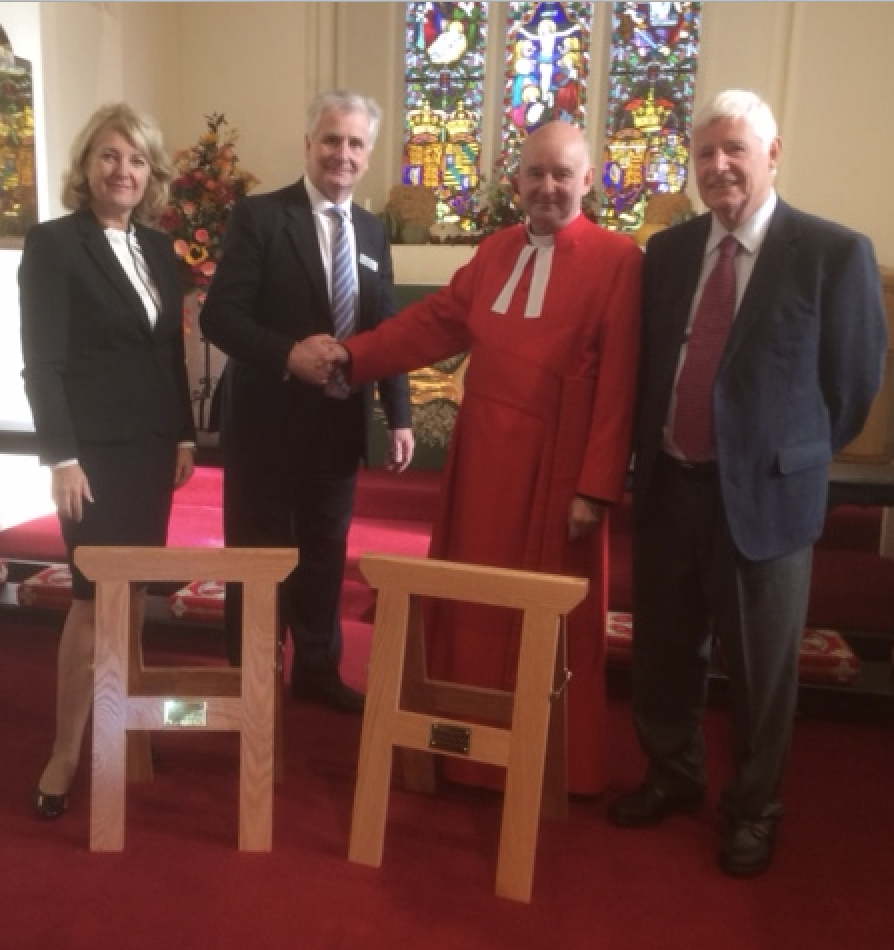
(392, 514)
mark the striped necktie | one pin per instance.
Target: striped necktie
(694, 417)
(342, 275)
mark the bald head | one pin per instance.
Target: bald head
(554, 174)
(553, 135)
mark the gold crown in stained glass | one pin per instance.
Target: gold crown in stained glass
(462, 125)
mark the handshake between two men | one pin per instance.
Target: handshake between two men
(319, 360)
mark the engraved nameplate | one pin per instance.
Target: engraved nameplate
(449, 738)
(186, 714)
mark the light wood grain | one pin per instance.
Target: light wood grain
(129, 697)
(402, 704)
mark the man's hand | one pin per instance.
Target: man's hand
(70, 488)
(186, 461)
(584, 517)
(313, 359)
(400, 453)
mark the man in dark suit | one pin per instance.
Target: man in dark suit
(291, 450)
(726, 512)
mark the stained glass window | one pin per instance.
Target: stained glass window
(18, 183)
(548, 64)
(445, 44)
(651, 87)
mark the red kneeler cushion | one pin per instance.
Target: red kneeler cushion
(50, 587)
(825, 655)
(827, 658)
(199, 600)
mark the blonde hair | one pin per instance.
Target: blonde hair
(143, 133)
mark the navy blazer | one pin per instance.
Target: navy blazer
(801, 368)
(95, 368)
(270, 292)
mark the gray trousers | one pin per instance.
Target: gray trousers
(692, 588)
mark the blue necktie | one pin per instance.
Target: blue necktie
(342, 275)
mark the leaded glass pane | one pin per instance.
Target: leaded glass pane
(18, 176)
(547, 68)
(445, 44)
(649, 117)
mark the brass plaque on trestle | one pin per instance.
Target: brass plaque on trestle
(449, 738)
(186, 714)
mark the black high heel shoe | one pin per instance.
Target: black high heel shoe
(49, 806)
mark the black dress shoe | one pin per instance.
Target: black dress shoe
(49, 806)
(747, 847)
(329, 691)
(649, 805)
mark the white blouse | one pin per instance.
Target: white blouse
(128, 251)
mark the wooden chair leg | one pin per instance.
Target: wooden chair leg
(419, 768)
(554, 806)
(382, 703)
(108, 778)
(279, 769)
(527, 757)
(257, 745)
(139, 745)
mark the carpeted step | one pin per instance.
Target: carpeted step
(825, 657)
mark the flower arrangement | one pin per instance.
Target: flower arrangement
(496, 205)
(208, 184)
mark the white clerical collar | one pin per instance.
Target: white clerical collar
(541, 247)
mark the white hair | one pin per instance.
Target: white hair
(341, 100)
(740, 104)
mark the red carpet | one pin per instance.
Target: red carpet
(181, 883)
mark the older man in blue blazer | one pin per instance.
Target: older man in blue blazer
(291, 449)
(752, 378)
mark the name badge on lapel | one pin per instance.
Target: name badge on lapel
(368, 262)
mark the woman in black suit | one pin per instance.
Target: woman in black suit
(105, 376)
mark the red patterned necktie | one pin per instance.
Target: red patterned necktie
(693, 419)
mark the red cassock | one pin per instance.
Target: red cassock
(547, 412)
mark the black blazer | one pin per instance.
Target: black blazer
(95, 368)
(269, 292)
(801, 368)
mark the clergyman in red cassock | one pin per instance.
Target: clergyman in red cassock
(549, 314)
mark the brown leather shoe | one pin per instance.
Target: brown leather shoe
(649, 805)
(747, 847)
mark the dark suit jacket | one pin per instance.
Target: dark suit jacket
(269, 292)
(95, 368)
(802, 365)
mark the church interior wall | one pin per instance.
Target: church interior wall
(823, 67)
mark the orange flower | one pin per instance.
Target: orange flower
(196, 254)
(209, 182)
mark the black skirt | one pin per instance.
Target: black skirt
(132, 484)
